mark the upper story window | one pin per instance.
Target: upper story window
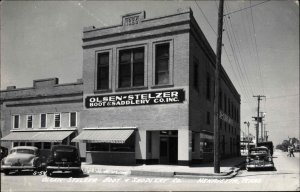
(131, 67)
(196, 66)
(103, 71)
(43, 120)
(29, 121)
(208, 117)
(162, 58)
(220, 100)
(208, 89)
(73, 119)
(57, 120)
(16, 121)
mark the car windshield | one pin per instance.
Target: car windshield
(25, 151)
(258, 152)
(65, 152)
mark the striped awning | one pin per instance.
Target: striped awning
(37, 136)
(104, 136)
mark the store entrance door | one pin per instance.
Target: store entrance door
(168, 149)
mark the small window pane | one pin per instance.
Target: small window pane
(29, 121)
(38, 145)
(16, 121)
(138, 55)
(103, 71)
(162, 64)
(103, 58)
(43, 120)
(125, 56)
(73, 119)
(47, 145)
(57, 120)
(162, 78)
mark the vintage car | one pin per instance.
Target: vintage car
(4, 152)
(21, 158)
(64, 158)
(259, 157)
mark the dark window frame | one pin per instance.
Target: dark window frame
(16, 122)
(208, 118)
(55, 120)
(196, 74)
(43, 125)
(70, 119)
(103, 68)
(136, 65)
(29, 121)
(208, 86)
(160, 59)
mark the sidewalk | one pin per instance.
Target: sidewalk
(228, 169)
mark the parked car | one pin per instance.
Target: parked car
(259, 157)
(64, 158)
(268, 144)
(4, 152)
(21, 158)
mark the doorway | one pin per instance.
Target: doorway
(168, 148)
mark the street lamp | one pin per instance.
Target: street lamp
(248, 124)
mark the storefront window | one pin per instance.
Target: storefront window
(97, 147)
(206, 143)
(128, 146)
(47, 145)
(38, 145)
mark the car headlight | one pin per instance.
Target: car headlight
(270, 159)
(247, 160)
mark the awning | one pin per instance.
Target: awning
(37, 136)
(104, 136)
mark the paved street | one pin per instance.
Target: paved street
(286, 177)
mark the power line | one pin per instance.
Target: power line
(241, 58)
(236, 61)
(205, 17)
(258, 62)
(282, 96)
(246, 8)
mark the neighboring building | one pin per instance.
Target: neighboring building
(42, 116)
(147, 94)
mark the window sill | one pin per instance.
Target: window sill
(103, 91)
(131, 88)
(162, 86)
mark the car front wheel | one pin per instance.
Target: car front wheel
(49, 173)
(6, 172)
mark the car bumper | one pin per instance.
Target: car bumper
(9, 167)
(259, 165)
(58, 168)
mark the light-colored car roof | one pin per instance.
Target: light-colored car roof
(26, 147)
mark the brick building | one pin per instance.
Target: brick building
(147, 95)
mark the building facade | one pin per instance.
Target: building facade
(147, 94)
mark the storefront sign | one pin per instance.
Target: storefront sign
(145, 98)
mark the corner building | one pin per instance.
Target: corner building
(148, 93)
(146, 96)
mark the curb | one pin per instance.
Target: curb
(233, 171)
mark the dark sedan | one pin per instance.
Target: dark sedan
(259, 157)
(64, 158)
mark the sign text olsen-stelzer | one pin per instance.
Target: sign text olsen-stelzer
(145, 98)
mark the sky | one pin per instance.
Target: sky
(42, 39)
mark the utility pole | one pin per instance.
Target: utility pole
(217, 82)
(267, 135)
(262, 116)
(257, 119)
(265, 132)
